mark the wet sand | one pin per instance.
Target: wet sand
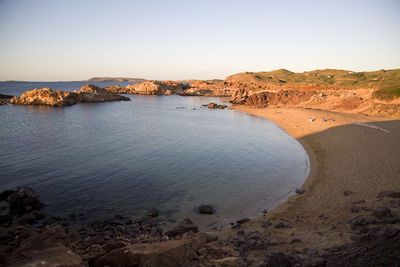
(345, 157)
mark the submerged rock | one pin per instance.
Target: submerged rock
(153, 212)
(206, 209)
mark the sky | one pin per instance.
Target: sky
(64, 40)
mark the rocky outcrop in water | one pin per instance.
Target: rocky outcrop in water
(91, 93)
(46, 97)
(154, 88)
(58, 98)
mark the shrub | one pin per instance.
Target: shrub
(387, 93)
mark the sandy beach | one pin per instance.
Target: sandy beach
(349, 163)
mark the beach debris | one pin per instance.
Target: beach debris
(389, 193)
(153, 212)
(206, 209)
(371, 126)
(311, 120)
(347, 192)
(324, 120)
(299, 191)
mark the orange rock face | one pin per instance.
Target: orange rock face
(46, 97)
(154, 88)
(58, 98)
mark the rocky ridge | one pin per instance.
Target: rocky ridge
(58, 98)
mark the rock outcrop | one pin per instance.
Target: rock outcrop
(263, 99)
(45, 97)
(91, 93)
(58, 98)
(154, 88)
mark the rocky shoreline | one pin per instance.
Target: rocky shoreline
(247, 93)
(140, 241)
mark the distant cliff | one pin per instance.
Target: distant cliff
(115, 79)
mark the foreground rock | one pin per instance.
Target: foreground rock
(167, 253)
(58, 98)
(185, 226)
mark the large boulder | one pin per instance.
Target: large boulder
(23, 200)
(166, 253)
(46, 97)
(185, 226)
(92, 93)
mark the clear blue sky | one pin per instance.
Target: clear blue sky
(76, 39)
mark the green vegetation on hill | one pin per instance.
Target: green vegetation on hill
(380, 79)
(387, 93)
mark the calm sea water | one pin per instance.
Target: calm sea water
(103, 159)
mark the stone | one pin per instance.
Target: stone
(57, 255)
(358, 202)
(206, 209)
(24, 199)
(242, 221)
(283, 225)
(347, 192)
(299, 191)
(153, 212)
(361, 220)
(4, 195)
(382, 212)
(30, 218)
(354, 209)
(265, 224)
(185, 226)
(389, 193)
(165, 253)
(279, 260)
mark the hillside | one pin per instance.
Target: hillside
(345, 78)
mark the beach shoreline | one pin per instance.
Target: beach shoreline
(349, 164)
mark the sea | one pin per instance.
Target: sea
(164, 152)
